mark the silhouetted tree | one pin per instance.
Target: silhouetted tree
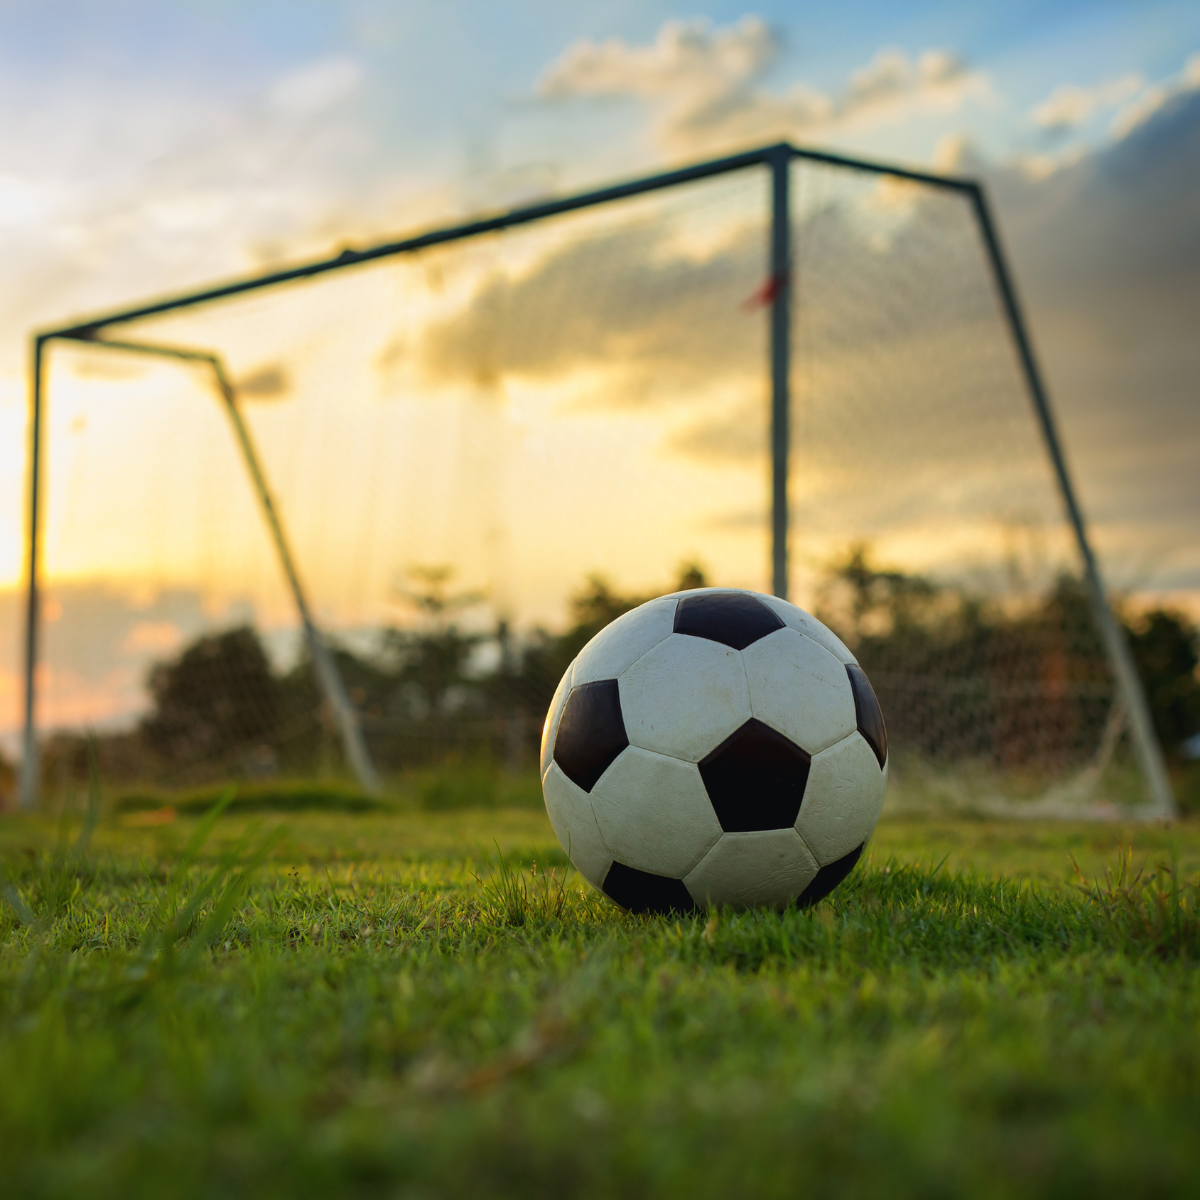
(217, 697)
(1165, 646)
(966, 675)
(957, 674)
(429, 664)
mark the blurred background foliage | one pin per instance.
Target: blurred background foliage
(443, 693)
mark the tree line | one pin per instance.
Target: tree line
(1020, 683)
(959, 674)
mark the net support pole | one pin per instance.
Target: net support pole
(779, 290)
(328, 677)
(1145, 740)
(30, 762)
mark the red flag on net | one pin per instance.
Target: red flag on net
(765, 295)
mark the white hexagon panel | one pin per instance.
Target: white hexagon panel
(625, 641)
(765, 869)
(842, 799)
(800, 689)
(653, 812)
(684, 697)
(570, 812)
(797, 619)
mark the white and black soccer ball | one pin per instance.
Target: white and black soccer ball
(713, 747)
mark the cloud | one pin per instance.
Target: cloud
(116, 188)
(1107, 251)
(269, 382)
(893, 84)
(98, 643)
(22, 201)
(1129, 101)
(1121, 215)
(670, 316)
(687, 56)
(315, 87)
(648, 314)
(898, 336)
(704, 84)
(957, 154)
(906, 380)
(1147, 103)
(1069, 106)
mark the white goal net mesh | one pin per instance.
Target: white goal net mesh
(482, 450)
(929, 528)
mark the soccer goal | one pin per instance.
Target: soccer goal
(348, 517)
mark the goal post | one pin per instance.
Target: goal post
(1145, 740)
(390, 387)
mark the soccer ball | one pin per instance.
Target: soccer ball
(714, 747)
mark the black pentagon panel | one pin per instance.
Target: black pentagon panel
(734, 619)
(591, 732)
(755, 779)
(868, 712)
(641, 892)
(827, 878)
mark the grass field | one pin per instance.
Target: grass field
(419, 1004)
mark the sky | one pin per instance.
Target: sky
(147, 148)
(154, 145)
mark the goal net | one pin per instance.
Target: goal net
(479, 450)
